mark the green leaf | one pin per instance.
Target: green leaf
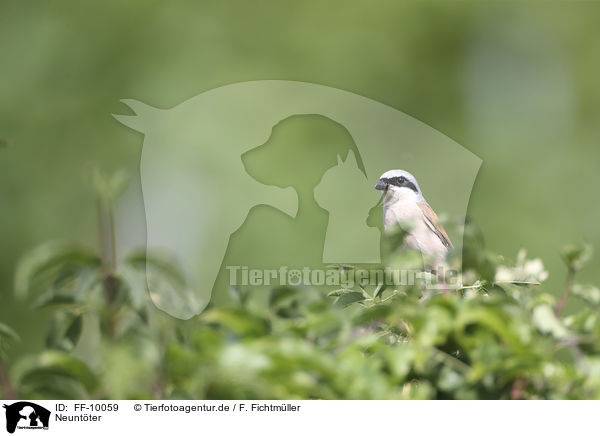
(545, 320)
(64, 331)
(157, 275)
(49, 260)
(74, 331)
(450, 379)
(134, 281)
(8, 333)
(589, 293)
(160, 262)
(51, 298)
(490, 316)
(370, 314)
(346, 297)
(237, 320)
(142, 312)
(576, 256)
(585, 320)
(400, 359)
(379, 290)
(340, 292)
(86, 281)
(55, 363)
(281, 295)
(45, 385)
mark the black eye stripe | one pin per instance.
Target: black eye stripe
(401, 182)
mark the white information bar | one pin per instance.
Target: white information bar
(283, 418)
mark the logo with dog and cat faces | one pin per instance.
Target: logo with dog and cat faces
(25, 415)
(271, 174)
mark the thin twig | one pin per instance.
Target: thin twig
(451, 360)
(106, 235)
(566, 291)
(9, 392)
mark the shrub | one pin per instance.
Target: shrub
(500, 335)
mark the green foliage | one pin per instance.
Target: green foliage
(7, 335)
(81, 287)
(63, 263)
(576, 256)
(53, 374)
(498, 335)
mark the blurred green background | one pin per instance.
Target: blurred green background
(514, 82)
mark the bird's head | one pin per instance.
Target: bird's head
(399, 184)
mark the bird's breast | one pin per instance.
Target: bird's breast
(405, 213)
(409, 216)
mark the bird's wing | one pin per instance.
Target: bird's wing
(431, 219)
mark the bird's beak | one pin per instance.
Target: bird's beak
(381, 186)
